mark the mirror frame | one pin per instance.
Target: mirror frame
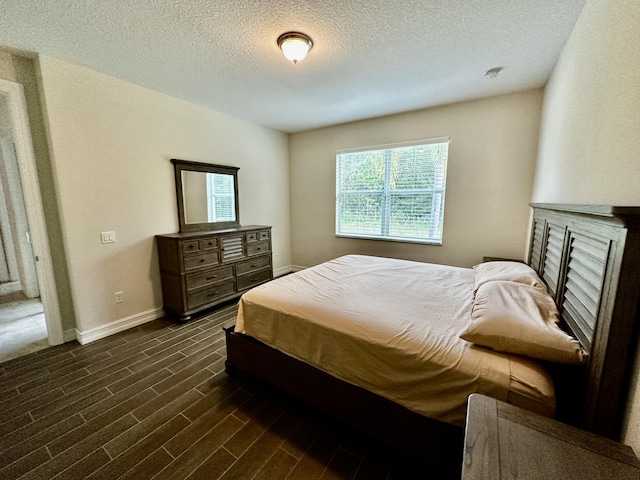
(182, 165)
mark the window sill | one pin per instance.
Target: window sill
(391, 239)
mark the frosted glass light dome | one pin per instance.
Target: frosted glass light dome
(294, 45)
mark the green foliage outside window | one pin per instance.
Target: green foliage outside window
(392, 193)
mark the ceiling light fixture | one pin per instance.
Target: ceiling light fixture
(294, 45)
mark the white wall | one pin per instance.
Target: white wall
(590, 133)
(111, 143)
(492, 152)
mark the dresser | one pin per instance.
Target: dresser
(506, 442)
(201, 269)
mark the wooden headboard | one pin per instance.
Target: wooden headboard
(589, 258)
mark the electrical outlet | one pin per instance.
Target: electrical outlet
(108, 237)
(119, 297)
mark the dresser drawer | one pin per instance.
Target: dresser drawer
(198, 261)
(209, 243)
(254, 264)
(254, 278)
(257, 236)
(258, 247)
(190, 246)
(195, 280)
(210, 295)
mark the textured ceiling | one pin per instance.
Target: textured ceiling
(370, 58)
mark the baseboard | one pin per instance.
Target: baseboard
(103, 331)
(282, 271)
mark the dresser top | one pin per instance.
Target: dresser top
(208, 233)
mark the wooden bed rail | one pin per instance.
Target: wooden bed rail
(436, 444)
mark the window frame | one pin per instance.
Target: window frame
(212, 200)
(388, 193)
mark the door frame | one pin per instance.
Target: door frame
(35, 212)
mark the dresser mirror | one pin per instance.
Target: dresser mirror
(207, 196)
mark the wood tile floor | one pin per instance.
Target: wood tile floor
(155, 402)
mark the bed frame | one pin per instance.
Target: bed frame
(589, 257)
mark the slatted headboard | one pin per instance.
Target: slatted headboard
(589, 258)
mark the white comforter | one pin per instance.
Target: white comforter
(391, 326)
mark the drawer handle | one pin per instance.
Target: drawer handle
(211, 278)
(202, 260)
(259, 248)
(213, 294)
(253, 265)
(255, 279)
(191, 246)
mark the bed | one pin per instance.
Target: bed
(329, 335)
(392, 327)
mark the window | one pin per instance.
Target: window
(221, 200)
(392, 192)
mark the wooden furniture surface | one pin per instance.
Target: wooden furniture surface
(506, 442)
(589, 258)
(436, 444)
(201, 269)
(193, 197)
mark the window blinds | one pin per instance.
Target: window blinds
(392, 192)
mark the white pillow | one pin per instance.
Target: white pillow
(522, 319)
(505, 271)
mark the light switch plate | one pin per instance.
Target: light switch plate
(108, 237)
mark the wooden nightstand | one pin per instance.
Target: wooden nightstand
(507, 442)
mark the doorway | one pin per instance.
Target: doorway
(22, 322)
(29, 310)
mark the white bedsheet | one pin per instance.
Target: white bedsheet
(391, 326)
